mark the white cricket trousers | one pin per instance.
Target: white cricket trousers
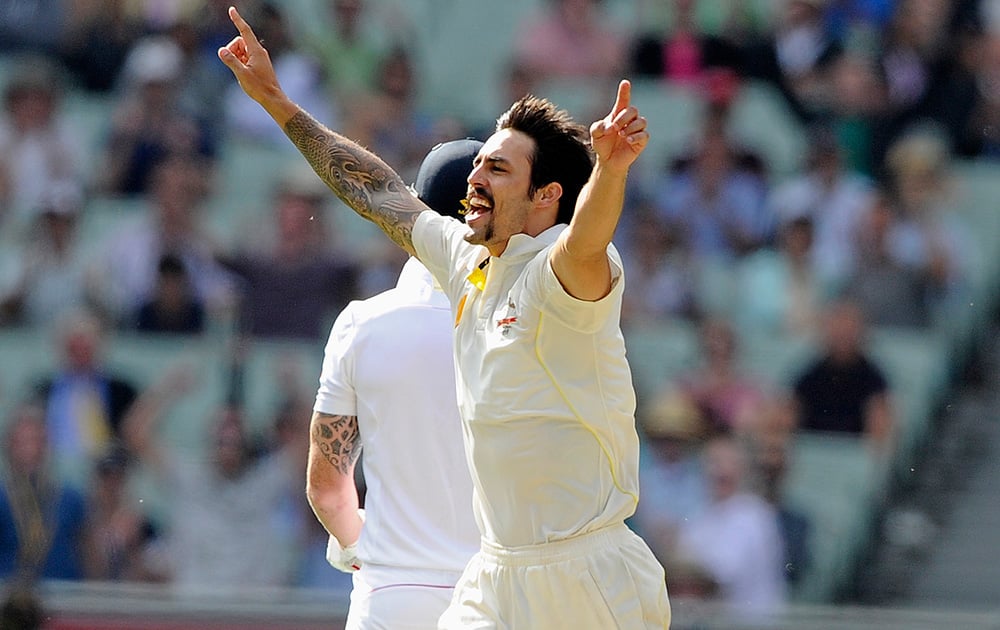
(602, 580)
(390, 598)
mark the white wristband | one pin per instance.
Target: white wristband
(344, 558)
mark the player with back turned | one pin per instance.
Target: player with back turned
(388, 388)
(545, 391)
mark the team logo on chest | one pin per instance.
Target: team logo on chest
(505, 322)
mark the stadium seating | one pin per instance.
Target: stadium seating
(836, 480)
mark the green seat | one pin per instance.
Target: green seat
(837, 482)
(916, 363)
(26, 355)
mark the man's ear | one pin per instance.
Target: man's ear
(549, 194)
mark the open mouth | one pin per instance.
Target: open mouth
(476, 206)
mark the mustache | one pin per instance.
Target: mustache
(475, 191)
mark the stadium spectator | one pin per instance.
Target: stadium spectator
(729, 397)
(858, 114)
(124, 267)
(293, 286)
(842, 390)
(38, 145)
(665, 273)
(119, 537)
(48, 276)
(683, 53)
(977, 129)
(33, 26)
(888, 292)
(719, 91)
(393, 122)
(930, 236)
(771, 459)
(41, 516)
(351, 46)
(778, 289)
(913, 54)
(224, 503)
(100, 35)
(21, 608)
(571, 39)
(834, 198)
(84, 398)
(174, 307)
(671, 478)
(715, 204)
(148, 125)
(794, 56)
(736, 537)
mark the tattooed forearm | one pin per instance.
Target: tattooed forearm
(338, 440)
(359, 177)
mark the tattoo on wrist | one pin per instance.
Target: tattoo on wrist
(359, 177)
(337, 438)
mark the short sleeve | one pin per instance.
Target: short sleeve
(336, 394)
(439, 243)
(579, 315)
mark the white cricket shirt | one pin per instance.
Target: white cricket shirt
(545, 390)
(389, 362)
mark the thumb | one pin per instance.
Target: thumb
(230, 60)
(601, 128)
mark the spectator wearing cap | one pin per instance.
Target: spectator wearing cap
(38, 146)
(293, 283)
(48, 277)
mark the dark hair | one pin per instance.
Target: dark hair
(171, 265)
(562, 149)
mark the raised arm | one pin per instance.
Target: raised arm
(334, 448)
(140, 425)
(580, 258)
(359, 177)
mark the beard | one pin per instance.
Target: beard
(483, 235)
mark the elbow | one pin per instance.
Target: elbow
(330, 501)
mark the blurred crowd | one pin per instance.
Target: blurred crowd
(862, 234)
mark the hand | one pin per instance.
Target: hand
(344, 558)
(621, 136)
(249, 61)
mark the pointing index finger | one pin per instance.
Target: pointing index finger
(623, 98)
(243, 27)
